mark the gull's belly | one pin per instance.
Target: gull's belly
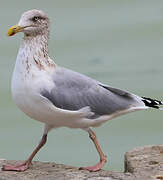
(33, 104)
(39, 108)
(26, 94)
(27, 97)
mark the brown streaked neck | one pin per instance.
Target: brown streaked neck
(35, 49)
(37, 44)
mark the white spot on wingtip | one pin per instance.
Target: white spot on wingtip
(148, 101)
(157, 102)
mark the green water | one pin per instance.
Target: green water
(119, 42)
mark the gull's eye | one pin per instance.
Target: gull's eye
(35, 18)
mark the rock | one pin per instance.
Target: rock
(145, 162)
(142, 163)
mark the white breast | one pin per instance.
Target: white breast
(27, 82)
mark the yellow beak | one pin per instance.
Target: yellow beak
(14, 29)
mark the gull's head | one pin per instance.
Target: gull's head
(32, 23)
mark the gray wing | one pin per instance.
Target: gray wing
(73, 91)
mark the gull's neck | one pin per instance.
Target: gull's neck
(37, 45)
(34, 52)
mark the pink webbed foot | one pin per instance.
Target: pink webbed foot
(103, 157)
(20, 167)
(96, 167)
(24, 166)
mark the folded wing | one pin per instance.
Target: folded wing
(73, 91)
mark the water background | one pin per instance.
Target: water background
(118, 42)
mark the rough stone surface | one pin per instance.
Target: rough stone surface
(145, 162)
(142, 163)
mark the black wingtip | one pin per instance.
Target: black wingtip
(152, 102)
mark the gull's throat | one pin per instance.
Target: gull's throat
(36, 46)
(33, 52)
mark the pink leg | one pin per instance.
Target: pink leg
(24, 166)
(103, 157)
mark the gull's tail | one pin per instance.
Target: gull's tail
(153, 103)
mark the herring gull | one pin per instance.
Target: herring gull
(59, 97)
